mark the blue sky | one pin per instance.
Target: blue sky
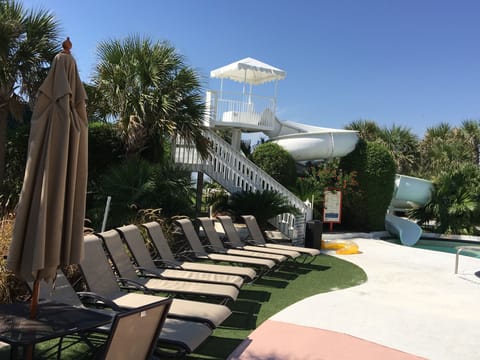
(412, 63)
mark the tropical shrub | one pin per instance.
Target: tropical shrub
(16, 156)
(277, 162)
(366, 208)
(105, 148)
(264, 205)
(136, 185)
(454, 206)
(215, 197)
(318, 178)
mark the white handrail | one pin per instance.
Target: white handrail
(235, 172)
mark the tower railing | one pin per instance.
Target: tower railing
(227, 108)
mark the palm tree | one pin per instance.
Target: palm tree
(471, 132)
(443, 147)
(28, 42)
(399, 140)
(367, 129)
(454, 204)
(154, 96)
(403, 145)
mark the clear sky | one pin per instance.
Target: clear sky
(412, 63)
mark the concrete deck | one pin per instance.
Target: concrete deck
(412, 303)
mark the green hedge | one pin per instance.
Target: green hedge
(277, 162)
(365, 209)
(105, 148)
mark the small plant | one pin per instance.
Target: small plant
(264, 205)
(318, 178)
(11, 289)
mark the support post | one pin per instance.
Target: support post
(198, 200)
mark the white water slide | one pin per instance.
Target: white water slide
(251, 113)
(247, 112)
(409, 192)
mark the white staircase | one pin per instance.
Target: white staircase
(231, 169)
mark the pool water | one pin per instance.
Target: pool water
(447, 246)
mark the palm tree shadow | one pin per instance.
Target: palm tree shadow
(254, 295)
(272, 283)
(244, 315)
(283, 275)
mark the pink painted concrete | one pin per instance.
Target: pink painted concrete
(275, 340)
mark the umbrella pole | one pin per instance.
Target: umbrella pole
(34, 302)
(33, 314)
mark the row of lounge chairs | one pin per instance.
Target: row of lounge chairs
(121, 274)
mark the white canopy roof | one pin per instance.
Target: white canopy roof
(249, 71)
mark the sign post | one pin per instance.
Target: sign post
(332, 210)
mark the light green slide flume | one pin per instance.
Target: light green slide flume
(408, 192)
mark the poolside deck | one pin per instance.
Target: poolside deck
(412, 306)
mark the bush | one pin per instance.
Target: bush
(264, 205)
(105, 148)
(277, 162)
(454, 203)
(136, 185)
(317, 178)
(16, 159)
(375, 167)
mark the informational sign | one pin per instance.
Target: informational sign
(332, 211)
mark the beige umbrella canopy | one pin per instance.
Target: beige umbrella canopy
(48, 230)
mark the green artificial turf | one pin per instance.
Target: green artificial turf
(255, 304)
(274, 292)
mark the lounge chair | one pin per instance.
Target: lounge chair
(258, 238)
(146, 322)
(216, 243)
(166, 257)
(136, 244)
(100, 278)
(235, 241)
(177, 336)
(201, 252)
(126, 269)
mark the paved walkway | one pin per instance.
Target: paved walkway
(412, 305)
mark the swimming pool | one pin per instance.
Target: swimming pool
(443, 245)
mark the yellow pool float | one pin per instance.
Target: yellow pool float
(342, 247)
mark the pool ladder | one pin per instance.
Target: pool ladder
(459, 250)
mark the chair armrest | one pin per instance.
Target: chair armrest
(95, 299)
(279, 239)
(167, 264)
(228, 244)
(149, 272)
(253, 242)
(188, 255)
(129, 284)
(211, 248)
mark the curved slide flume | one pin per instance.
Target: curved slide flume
(408, 192)
(305, 142)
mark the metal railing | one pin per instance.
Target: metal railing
(460, 250)
(232, 170)
(248, 109)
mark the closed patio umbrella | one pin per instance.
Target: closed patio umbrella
(48, 230)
